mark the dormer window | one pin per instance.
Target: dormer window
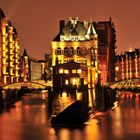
(72, 38)
(76, 38)
(62, 38)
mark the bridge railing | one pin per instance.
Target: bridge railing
(126, 84)
(38, 84)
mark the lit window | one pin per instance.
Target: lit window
(66, 71)
(73, 71)
(61, 71)
(62, 38)
(116, 68)
(79, 71)
(74, 81)
(66, 82)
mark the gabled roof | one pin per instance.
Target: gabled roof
(74, 32)
(57, 38)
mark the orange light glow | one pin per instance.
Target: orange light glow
(79, 71)
(61, 71)
(64, 95)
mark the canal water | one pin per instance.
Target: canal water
(28, 119)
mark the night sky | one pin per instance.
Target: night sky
(37, 21)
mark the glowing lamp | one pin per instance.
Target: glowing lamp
(64, 95)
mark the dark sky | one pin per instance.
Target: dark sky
(37, 21)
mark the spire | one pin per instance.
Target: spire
(25, 53)
(91, 30)
(74, 21)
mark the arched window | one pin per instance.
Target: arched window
(83, 51)
(71, 51)
(58, 51)
(65, 51)
(78, 51)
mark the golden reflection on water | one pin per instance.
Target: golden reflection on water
(92, 130)
(28, 119)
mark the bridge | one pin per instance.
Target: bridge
(126, 84)
(38, 84)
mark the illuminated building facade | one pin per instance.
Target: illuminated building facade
(70, 74)
(76, 45)
(127, 65)
(9, 51)
(89, 43)
(78, 42)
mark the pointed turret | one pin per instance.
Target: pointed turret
(91, 30)
(25, 53)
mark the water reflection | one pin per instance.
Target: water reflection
(28, 119)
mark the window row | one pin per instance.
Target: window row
(72, 51)
(66, 71)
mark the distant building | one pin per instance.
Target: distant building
(89, 43)
(9, 52)
(32, 69)
(24, 67)
(37, 68)
(127, 65)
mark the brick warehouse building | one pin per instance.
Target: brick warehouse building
(127, 65)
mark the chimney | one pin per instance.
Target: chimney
(86, 24)
(62, 25)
